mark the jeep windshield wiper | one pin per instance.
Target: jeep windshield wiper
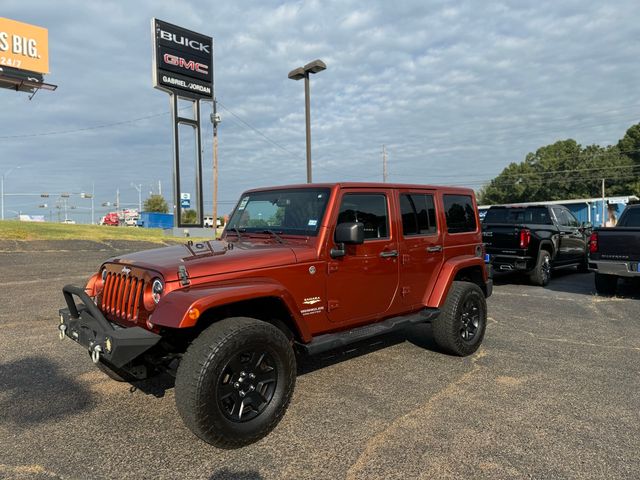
(237, 232)
(275, 235)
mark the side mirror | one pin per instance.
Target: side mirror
(587, 225)
(350, 232)
(347, 233)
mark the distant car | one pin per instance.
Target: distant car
(69, 221)
(208, 222)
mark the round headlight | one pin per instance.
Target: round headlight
(104, 274)
(156, 289)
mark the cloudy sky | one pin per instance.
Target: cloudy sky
(455, 90)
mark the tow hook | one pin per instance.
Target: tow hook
(95, 354)
(62, 328)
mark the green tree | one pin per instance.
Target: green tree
(189, 216)
(629, 145)
(156, 203)
(566, 170)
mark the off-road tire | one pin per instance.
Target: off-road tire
(448, 327)
(204, 368)
(606, 284)
(541, 274)
(114, 373)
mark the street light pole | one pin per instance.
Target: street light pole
(298, 74)
(307, 115)
(2, 187)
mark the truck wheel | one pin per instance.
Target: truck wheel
(235, 381)
(606, 284)
(541, 274)
(583, 267)
(460, 327)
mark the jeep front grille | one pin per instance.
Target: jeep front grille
(121, 296)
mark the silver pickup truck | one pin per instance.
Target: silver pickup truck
(615, 252)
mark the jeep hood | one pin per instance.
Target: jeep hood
(208, 258)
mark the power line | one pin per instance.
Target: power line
(247, 124)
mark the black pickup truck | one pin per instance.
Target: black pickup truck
(615, 252)
(534, 240)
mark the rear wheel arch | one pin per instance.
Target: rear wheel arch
(548, 246)
(471, 275)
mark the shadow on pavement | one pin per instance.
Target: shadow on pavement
(34, 391)
(229, 475)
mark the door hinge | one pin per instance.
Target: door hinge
(332, 305)
(405, 259)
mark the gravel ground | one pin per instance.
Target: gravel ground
(552, 393)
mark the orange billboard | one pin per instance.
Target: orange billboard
(24, 46)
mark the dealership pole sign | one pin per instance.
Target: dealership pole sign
(24, 56)
(183, 67)
(183, 61)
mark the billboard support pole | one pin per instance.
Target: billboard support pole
(183, 67)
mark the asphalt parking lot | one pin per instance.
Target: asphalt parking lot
(552, 393)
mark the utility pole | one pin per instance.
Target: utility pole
(604, 222)
(215, 120)
(93, 196)
(384, 164)
(159, 187)
(139, 189)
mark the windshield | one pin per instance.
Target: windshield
(518, 215)
(292, 211)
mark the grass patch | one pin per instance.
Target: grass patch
(16, 230)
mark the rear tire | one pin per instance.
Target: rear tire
(235, 381)
(606, 284)
(583, 267)
(541, 274)
(460, 327)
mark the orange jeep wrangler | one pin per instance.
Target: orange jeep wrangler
(299, 270)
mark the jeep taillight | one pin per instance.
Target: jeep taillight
(593, 242)
(525, 238)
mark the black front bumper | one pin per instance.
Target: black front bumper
(86, 325)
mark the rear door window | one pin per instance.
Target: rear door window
(418, 214)
(460, 214)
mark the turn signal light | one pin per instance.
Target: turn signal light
(193, 313)
(593, 242)
(525, 238)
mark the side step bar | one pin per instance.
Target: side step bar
(330, 341)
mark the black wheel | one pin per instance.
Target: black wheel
(541, 274)
(235, 381)
(583, 267)
(114, 373)
(459, 329)
(606, 284)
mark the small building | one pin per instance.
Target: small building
(584, 209)
(155, 220)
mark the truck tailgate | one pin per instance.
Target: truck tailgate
(498, 237)
(619, 243)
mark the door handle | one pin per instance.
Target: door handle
(389, 254)
(435, 248)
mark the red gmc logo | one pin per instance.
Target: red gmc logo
(190, 65)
